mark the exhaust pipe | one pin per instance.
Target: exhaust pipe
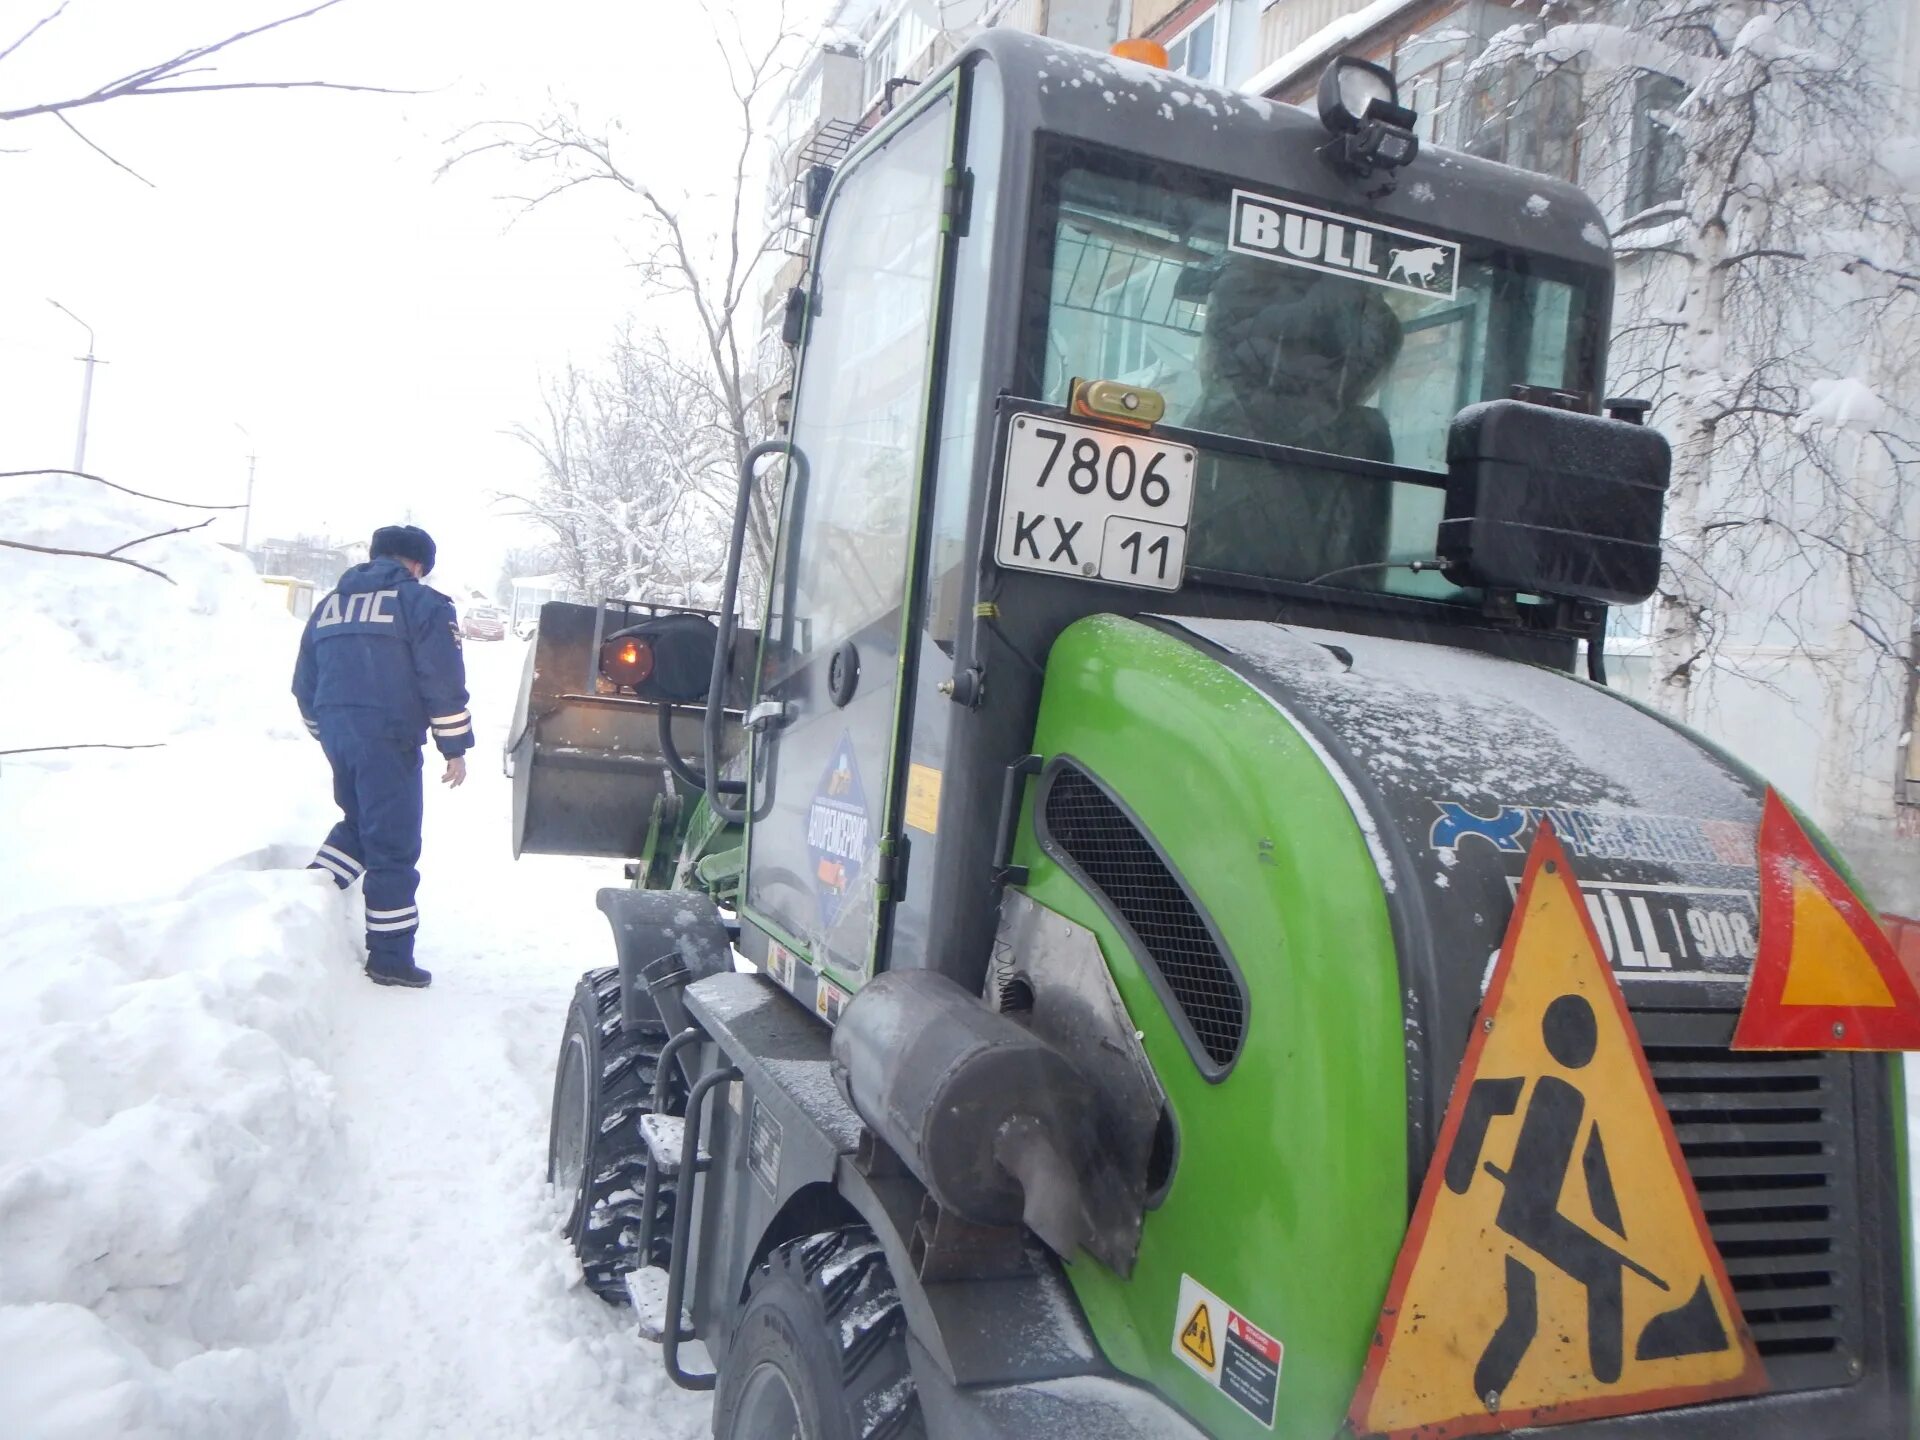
(998, 1125)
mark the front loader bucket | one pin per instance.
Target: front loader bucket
(585, 763)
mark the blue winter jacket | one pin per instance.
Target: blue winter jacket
(382, 652)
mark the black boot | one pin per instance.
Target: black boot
(410, 975)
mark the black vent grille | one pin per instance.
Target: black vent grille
(1087, 827)
(1768, 1139)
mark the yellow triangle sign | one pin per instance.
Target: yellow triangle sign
(1197, 1338)
(1558, 1266)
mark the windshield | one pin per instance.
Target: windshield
(1266, 319)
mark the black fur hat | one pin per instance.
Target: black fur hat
(407, 542)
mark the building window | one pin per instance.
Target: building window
(1659, 154)
(893, 53)
(1191, 52)
(1519, 116)
(1428, 95)
(883, 60)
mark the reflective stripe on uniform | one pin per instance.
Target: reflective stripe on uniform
(345, 859)
(459, 719)
(401, 913)
(412, 922)
(448, 732)
(321, 862)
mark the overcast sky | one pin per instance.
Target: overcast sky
(296, 268)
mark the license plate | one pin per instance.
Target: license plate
(1095, 504)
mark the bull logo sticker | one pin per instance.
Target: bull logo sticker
(837, 831)
(1335, 244)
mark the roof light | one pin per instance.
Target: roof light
(1133, 405)
(1360, 106)
(1143, 52)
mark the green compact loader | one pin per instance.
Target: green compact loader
(1056, 933)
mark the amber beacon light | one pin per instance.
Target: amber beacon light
(1146, 52)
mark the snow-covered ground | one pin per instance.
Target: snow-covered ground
(243, 1192)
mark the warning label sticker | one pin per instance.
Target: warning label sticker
(780, 965)
(763, 1148)
(1227, 1350)
(828, 1001)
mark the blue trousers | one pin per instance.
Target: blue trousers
(377, 785)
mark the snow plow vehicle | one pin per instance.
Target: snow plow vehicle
(1151, 936)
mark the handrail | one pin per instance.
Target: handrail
(729, 595)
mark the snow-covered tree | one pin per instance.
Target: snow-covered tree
(1770, 303)
(707, 255)
(1758, 158)
(630, 457)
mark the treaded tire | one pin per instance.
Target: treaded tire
(602, 1085)
(823, 1324)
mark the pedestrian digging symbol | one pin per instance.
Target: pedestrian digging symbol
(1558, 1265)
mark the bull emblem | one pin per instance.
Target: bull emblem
(1420, 265)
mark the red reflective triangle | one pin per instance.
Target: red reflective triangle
(1826, 977)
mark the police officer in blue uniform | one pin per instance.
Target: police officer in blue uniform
(379, 666)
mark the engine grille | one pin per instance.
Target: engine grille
(1085, 826)
(1769, 1141)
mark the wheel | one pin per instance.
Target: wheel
(820, 1349)
(602, 1085)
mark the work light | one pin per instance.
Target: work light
(1360, 106)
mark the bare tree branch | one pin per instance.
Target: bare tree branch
(35, 28)
(157, 535)
(86, 745)
(147, 80)
(138, 494)
(103, 154)
(84, 555)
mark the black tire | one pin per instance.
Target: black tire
(602, 1085)
(820, 1349)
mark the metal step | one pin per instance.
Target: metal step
(665, 1135)
(647, 1288)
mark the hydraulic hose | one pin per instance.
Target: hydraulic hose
(676, 762)
(729, 594)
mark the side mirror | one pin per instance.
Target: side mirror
(1554, 502)
(815, 181)
(793, 320)
(667, 658)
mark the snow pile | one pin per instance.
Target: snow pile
(164, 1105)
(101, 653)
(164, 1121)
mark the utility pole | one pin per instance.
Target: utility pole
(86, 385)
(246, 515)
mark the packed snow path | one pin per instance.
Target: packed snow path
(444, 1301)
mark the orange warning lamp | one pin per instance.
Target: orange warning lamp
(1144, 52)
(626, 660)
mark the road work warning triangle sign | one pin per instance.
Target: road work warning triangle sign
(1557, 1266)
(1826, 976)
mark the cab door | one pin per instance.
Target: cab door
(839, 601)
